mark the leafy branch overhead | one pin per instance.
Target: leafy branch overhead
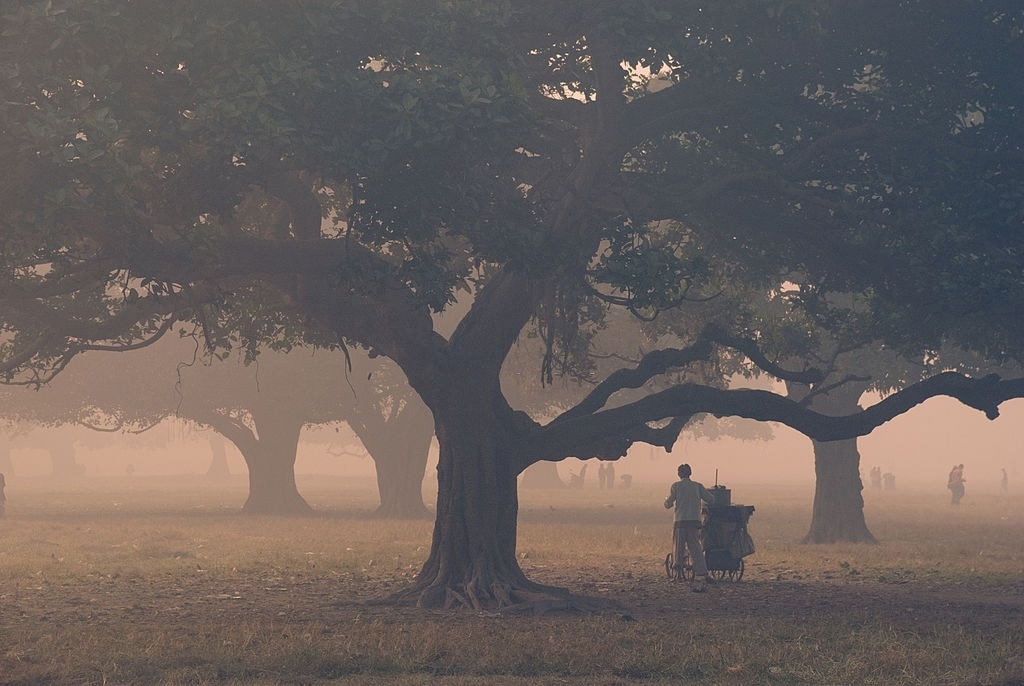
(168, 173)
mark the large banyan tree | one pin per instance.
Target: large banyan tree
(271, 170)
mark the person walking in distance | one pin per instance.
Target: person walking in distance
(686, 496)
(956, 483)
(3, 498)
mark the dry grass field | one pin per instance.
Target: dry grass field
(148, 582)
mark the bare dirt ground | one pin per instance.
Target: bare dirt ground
(169, 591)
(173, 608)
(640, 595)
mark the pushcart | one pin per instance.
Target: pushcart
(725, 538)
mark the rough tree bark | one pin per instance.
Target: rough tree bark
(838, 511)
(473, 560)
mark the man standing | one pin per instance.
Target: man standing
(687, 495)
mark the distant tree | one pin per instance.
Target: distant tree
(261, 407)
(6, 465)
(287, 392)
(218, 468)
(24, 411)
(396, 428)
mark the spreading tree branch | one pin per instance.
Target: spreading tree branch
(586, 436)
(658, 362)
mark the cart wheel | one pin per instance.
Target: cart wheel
(675, 574)
(733, 574)
(718, 574)
(738, 573)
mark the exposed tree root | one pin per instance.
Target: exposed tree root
(503, 598)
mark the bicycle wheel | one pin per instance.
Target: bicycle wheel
(670, 569)
(687, 569)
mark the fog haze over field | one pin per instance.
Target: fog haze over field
(918, 447)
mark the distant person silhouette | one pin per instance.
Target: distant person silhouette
(3, 497)
(890, 481)
(876, 478)
(956, 483)
(1004, 483)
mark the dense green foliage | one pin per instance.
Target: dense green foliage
(873, 148)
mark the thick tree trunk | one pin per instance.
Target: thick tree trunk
(838, 512)
(473, 555)
(269, 454)
(472, 560)
(272, 488)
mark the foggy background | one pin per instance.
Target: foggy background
(918, 447)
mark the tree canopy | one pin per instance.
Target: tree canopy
(337, 171)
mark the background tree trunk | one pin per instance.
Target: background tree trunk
(6, 464)
(219, 458)
(269, 454)
(399, 446)
(62, 457)
(400, 481)
(271, 462)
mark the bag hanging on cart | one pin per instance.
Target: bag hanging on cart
(741, 544)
